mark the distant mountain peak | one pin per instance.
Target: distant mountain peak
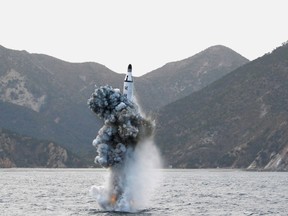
(181, 78)
(218, 47)
(220, 50)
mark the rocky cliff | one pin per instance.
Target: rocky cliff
(23, 151)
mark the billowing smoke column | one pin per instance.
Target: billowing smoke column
(124, 144)
(124, 127)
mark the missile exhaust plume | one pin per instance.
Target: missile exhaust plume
(124, 145)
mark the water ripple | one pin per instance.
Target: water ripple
(182, 192)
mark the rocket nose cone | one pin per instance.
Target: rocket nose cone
(129, 68)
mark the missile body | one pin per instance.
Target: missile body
(128, 84)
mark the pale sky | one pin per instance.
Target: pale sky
(145, 33)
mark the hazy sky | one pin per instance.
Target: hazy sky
(145, 33)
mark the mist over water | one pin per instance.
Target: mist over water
(125, 146)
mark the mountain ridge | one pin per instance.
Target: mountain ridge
(238, 121)
(46, 98)
(181, 78)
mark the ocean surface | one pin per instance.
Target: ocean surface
(180, 192)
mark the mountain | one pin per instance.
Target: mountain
(23, 151)
(178, 79)
(46, 98)
(239, 121)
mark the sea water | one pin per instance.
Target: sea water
(180, 192)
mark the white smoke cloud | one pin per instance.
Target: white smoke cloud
(124, 145)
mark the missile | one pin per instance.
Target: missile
(128, 84)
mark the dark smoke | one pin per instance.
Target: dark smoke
(117, 145)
